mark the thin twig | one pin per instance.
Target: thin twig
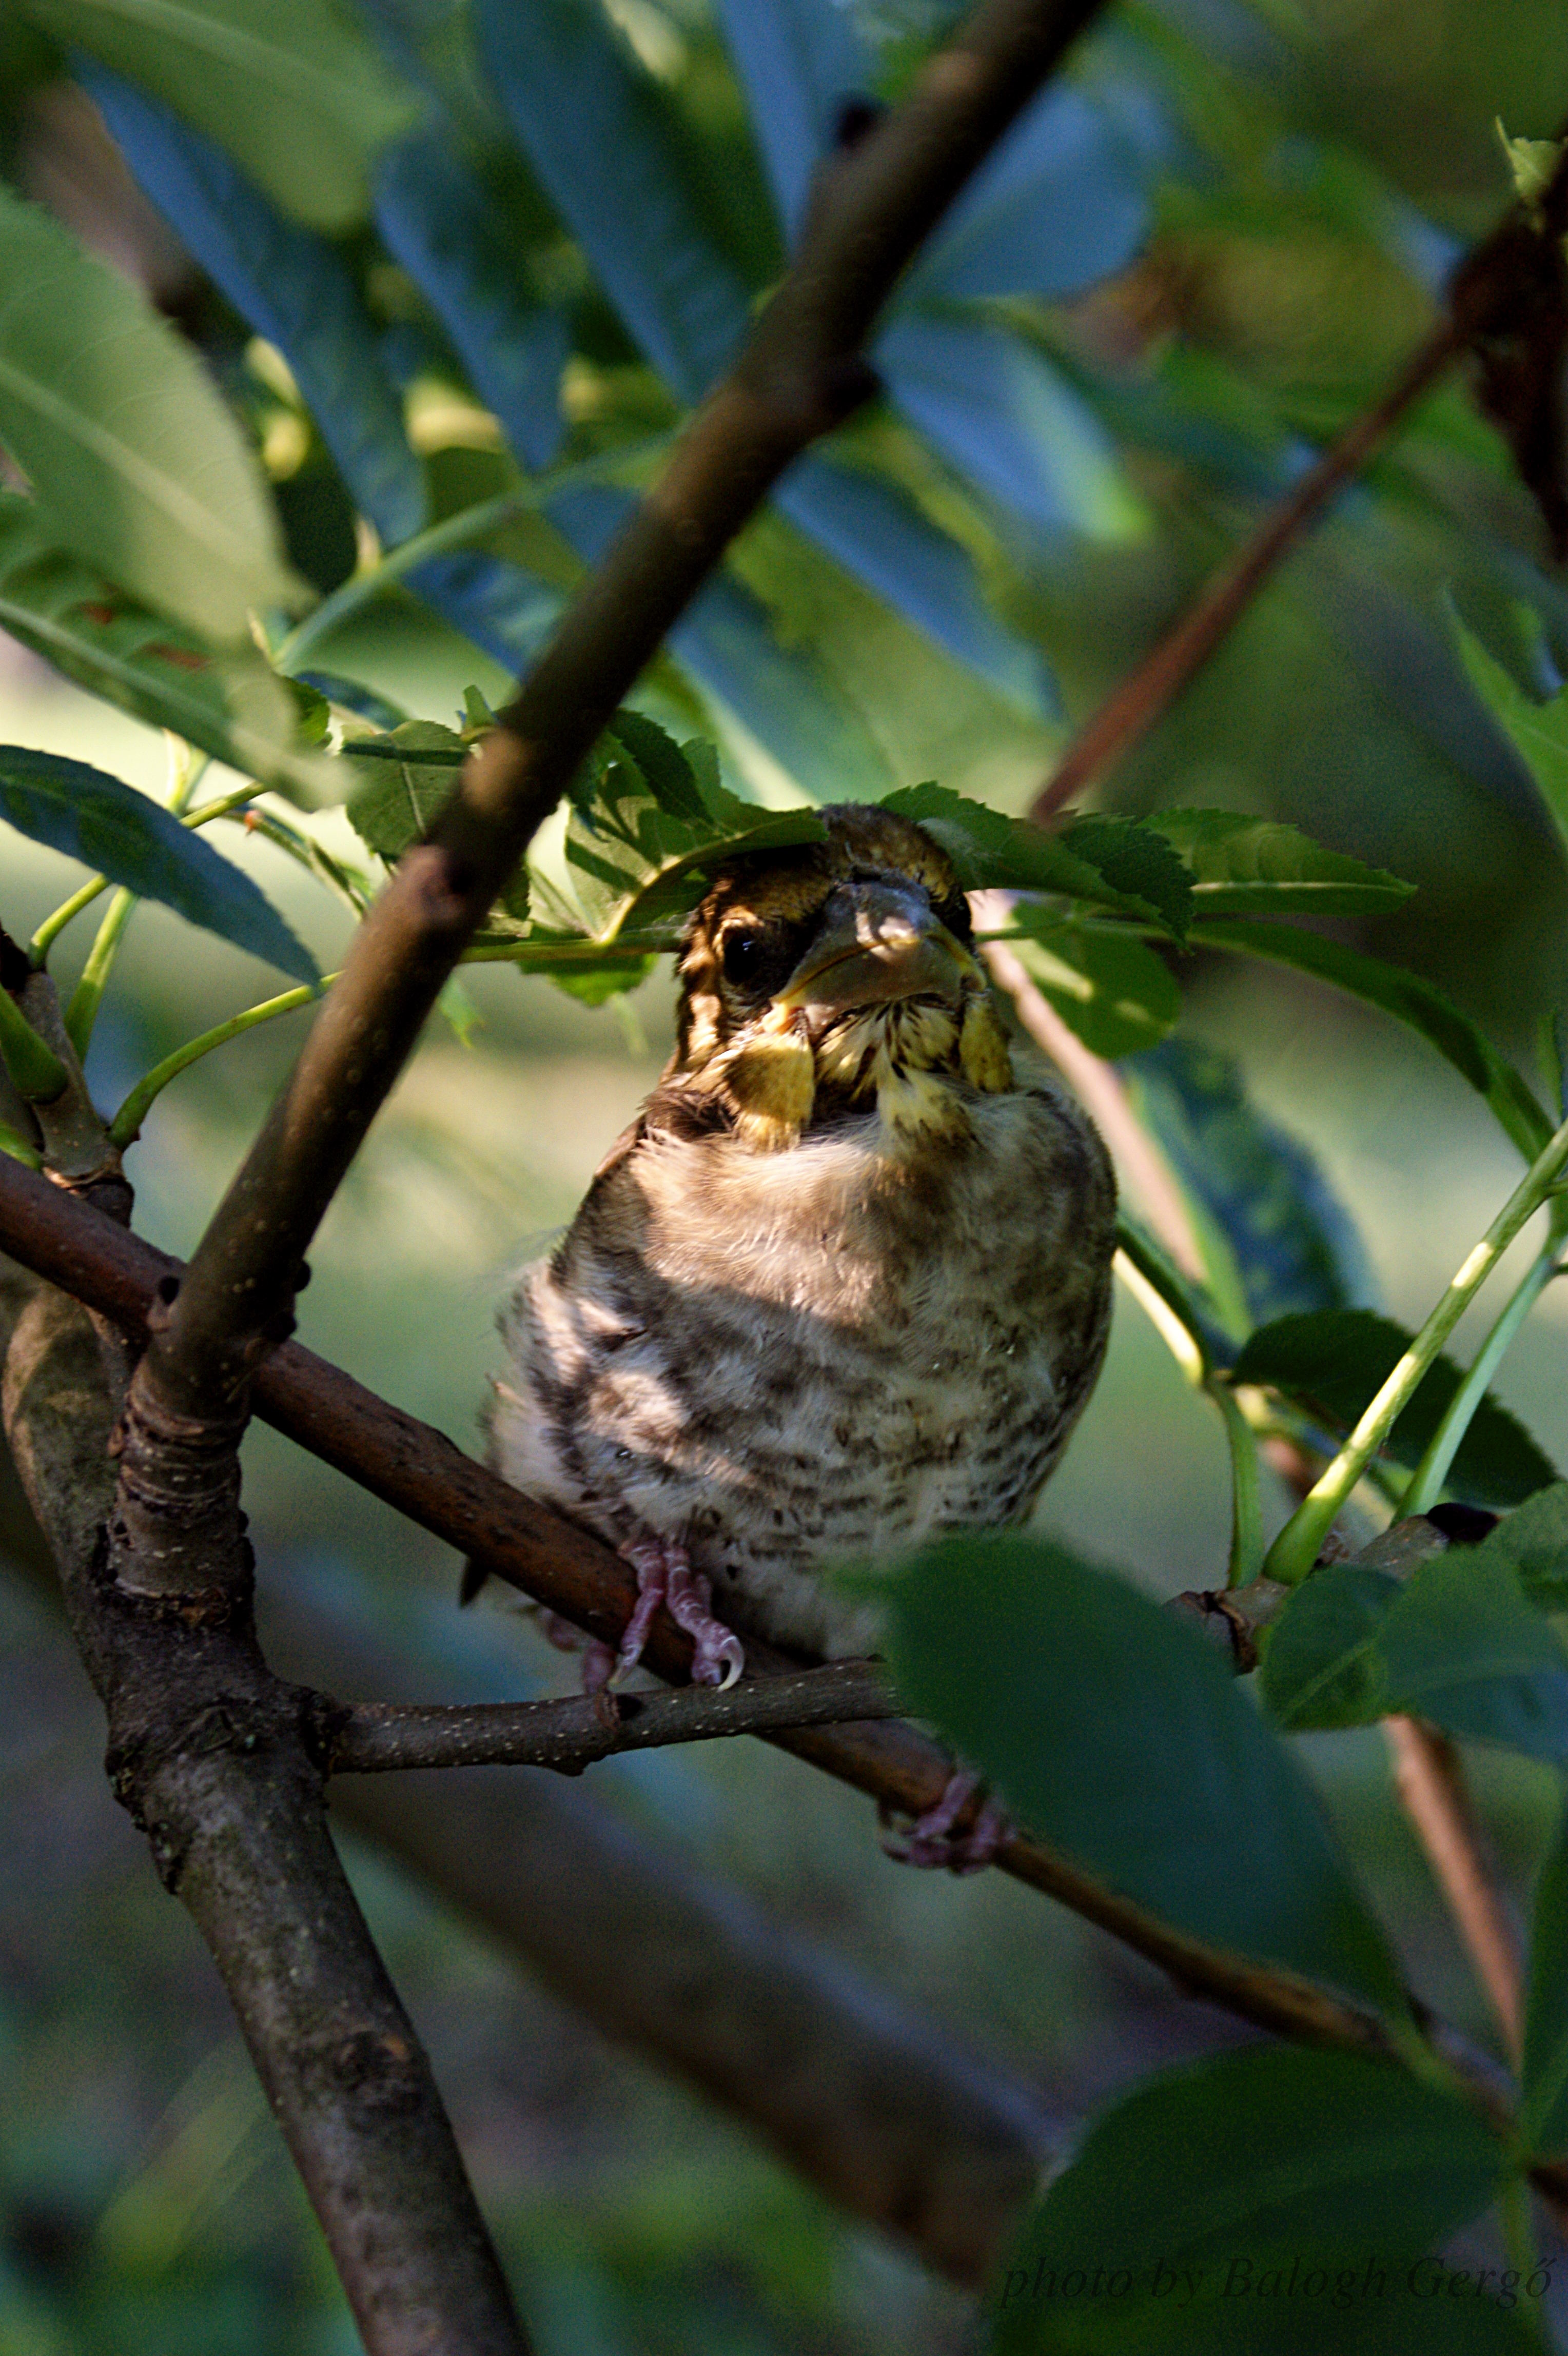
(1430, 1780)
(369, 1737)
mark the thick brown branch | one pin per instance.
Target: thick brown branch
(216, 1760)
(367, 1738)
(800, 373)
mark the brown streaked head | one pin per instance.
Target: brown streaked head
(839, 969)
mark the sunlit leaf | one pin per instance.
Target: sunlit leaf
(398, 794)
(136, 465)
(120, 833)
(292, 88)
(1247, 866)
(1139, 862)
(232, 704)
(993, 852)
(1106, 985)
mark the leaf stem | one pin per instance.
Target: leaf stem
(34, 1070)
(469, 526)
(13, 1143)
(88, 996)
(125, 1126)
(1246, 1500)
(1296, 1549)
(1426, 1482)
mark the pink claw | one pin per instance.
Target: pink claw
(664, 1575)
(932, 1841)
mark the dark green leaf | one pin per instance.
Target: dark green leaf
(162, 495)
(1291, 1244)
(1533, 1542)
(289, 86)
(396, 797)
(1005, 854)
(1119, 1736)
(668, 773)
(1139, 864)
(1254, 2195)
(1106, 985)
(94, 818)
(1321, 1665)
(1334, 1363)
(1255, 867)
(596, 985)
(1543, 2113)
(1408, 1000)
(594, 127)
(1538, 731)
(1462, 1646)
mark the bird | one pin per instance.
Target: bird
(842, 1285)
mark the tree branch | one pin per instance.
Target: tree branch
(1429, 1777)
(1483, 299)
(371, 1737)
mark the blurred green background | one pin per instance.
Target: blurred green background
(1319, 163)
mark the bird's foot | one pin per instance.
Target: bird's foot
(664, 1576)
(933, 1840)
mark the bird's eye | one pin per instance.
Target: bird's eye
(741, 954)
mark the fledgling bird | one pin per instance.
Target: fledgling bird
(842, 1285)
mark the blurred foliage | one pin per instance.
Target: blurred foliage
(445, 276)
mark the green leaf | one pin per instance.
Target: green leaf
(133, 841)
(1265, 2199)
(1276, 1237)
(1533, 1543)
(1333, 1364)
(1119, 1736)
(399, 794)
(1462, 1646)
(295, 93)
(1106, 986)
(233, 704)
(1193, 1304)
(136, 465)
(1246, 866)
(1538, 732)
(640, 857)
(1408, 1000)
(1004, 854)
(1321, 1666)
(1139, 864)
(1543, 2113)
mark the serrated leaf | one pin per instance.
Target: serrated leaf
(1538, 732)
(595, 131)
(1139, 864)
(1219, 2205)
(396, 796)
(293, 91)
(1408, 1000)
(136, 465)
(1543, 2113)
(1290, 1246)
(1119, 1736)
(1246, 866)
(94, 818)
(1333, 1364)
(1321, 1666)
(232, 704)
(1106, 986)
(294, 287)
(452, 235)
(992, 853)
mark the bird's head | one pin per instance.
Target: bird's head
(836, 974)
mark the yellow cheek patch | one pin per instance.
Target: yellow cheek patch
(983, 1048)
(919, 1104)
(773, 1081)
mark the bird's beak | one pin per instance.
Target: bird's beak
(876, 943)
